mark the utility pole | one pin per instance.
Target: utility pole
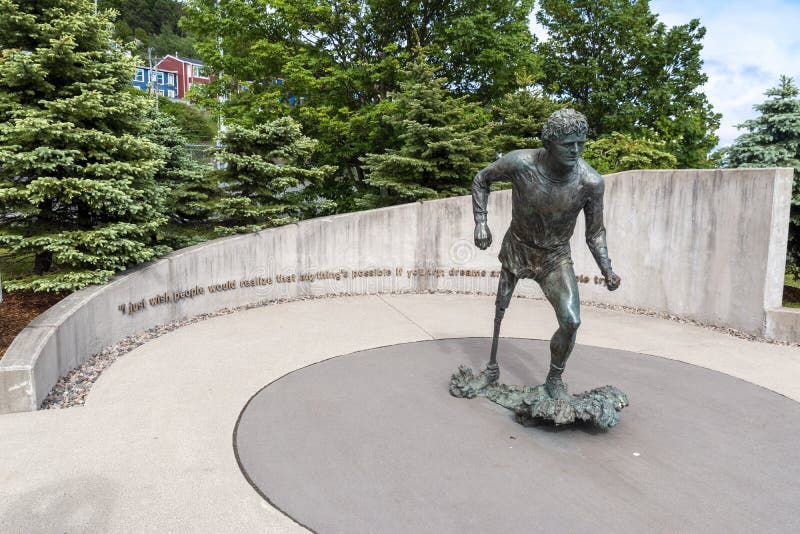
(153, 82)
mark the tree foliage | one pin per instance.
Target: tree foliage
(152, 16)
(629, 73)
(773, 140)
(153, 23)
(194, 125)
(343, 57)
(265, 176)
(517, 120)
(621, 152)
(443, 141)
(192, 190)
(77, 179)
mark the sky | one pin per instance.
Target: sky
(747, 46)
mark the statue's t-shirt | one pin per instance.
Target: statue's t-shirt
(544, 212)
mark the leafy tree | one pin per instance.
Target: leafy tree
(168, 42)
(339, 59)
(266, 176)
(195, 125)
(773, 140)
(621, 152)
(77, 180)
(443, 141)
(152, 16)
(629, 73)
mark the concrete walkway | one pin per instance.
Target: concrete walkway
(152, 449)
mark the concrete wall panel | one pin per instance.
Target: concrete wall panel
(783, 324)
(705, 244)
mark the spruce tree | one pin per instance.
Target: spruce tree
(192, 187)
(443, 141)
(517, 120)
(773, 140)
(266, 176)
(77, 187)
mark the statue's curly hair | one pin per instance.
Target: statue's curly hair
(563, 122)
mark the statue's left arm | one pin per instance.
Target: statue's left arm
(596, 232)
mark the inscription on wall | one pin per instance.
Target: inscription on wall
(223, 286)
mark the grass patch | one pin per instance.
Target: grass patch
(791, 281)
(13, 265)
(791, 290)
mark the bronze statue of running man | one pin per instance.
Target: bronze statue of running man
(551, 186)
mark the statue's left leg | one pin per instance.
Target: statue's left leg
(561, 289)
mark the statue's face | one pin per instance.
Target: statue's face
(566, 150)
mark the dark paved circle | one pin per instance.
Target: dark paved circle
(373, 442)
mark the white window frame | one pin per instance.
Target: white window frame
(139, 75)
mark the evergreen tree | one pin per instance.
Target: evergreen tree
(266, 177)
(517, 120)
(443, 141)
(773, 140)
(629, 73)
(77, 185)
(622, 152)
(192, 188)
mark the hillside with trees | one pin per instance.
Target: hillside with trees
(150, 24)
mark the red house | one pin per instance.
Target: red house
(190, 71)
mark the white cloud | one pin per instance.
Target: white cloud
(747, 46)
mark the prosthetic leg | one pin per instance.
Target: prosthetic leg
(505, 289)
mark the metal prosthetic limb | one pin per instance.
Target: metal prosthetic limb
(505, 289)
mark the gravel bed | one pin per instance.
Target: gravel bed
(72, 389)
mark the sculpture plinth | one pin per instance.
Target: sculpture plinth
(532, 404)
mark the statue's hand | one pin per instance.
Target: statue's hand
(612, 280)
(483, 237)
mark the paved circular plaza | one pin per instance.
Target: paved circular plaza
(373, 442)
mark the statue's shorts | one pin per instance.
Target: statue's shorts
(526, 261)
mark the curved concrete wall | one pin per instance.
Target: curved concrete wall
(708, 245)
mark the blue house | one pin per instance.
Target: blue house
(163, 81)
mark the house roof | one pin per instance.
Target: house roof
(184, 59)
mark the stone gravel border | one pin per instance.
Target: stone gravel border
(72, 389)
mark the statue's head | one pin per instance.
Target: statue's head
(564, 135)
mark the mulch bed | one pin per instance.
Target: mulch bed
(791, 294)
(18, 309)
